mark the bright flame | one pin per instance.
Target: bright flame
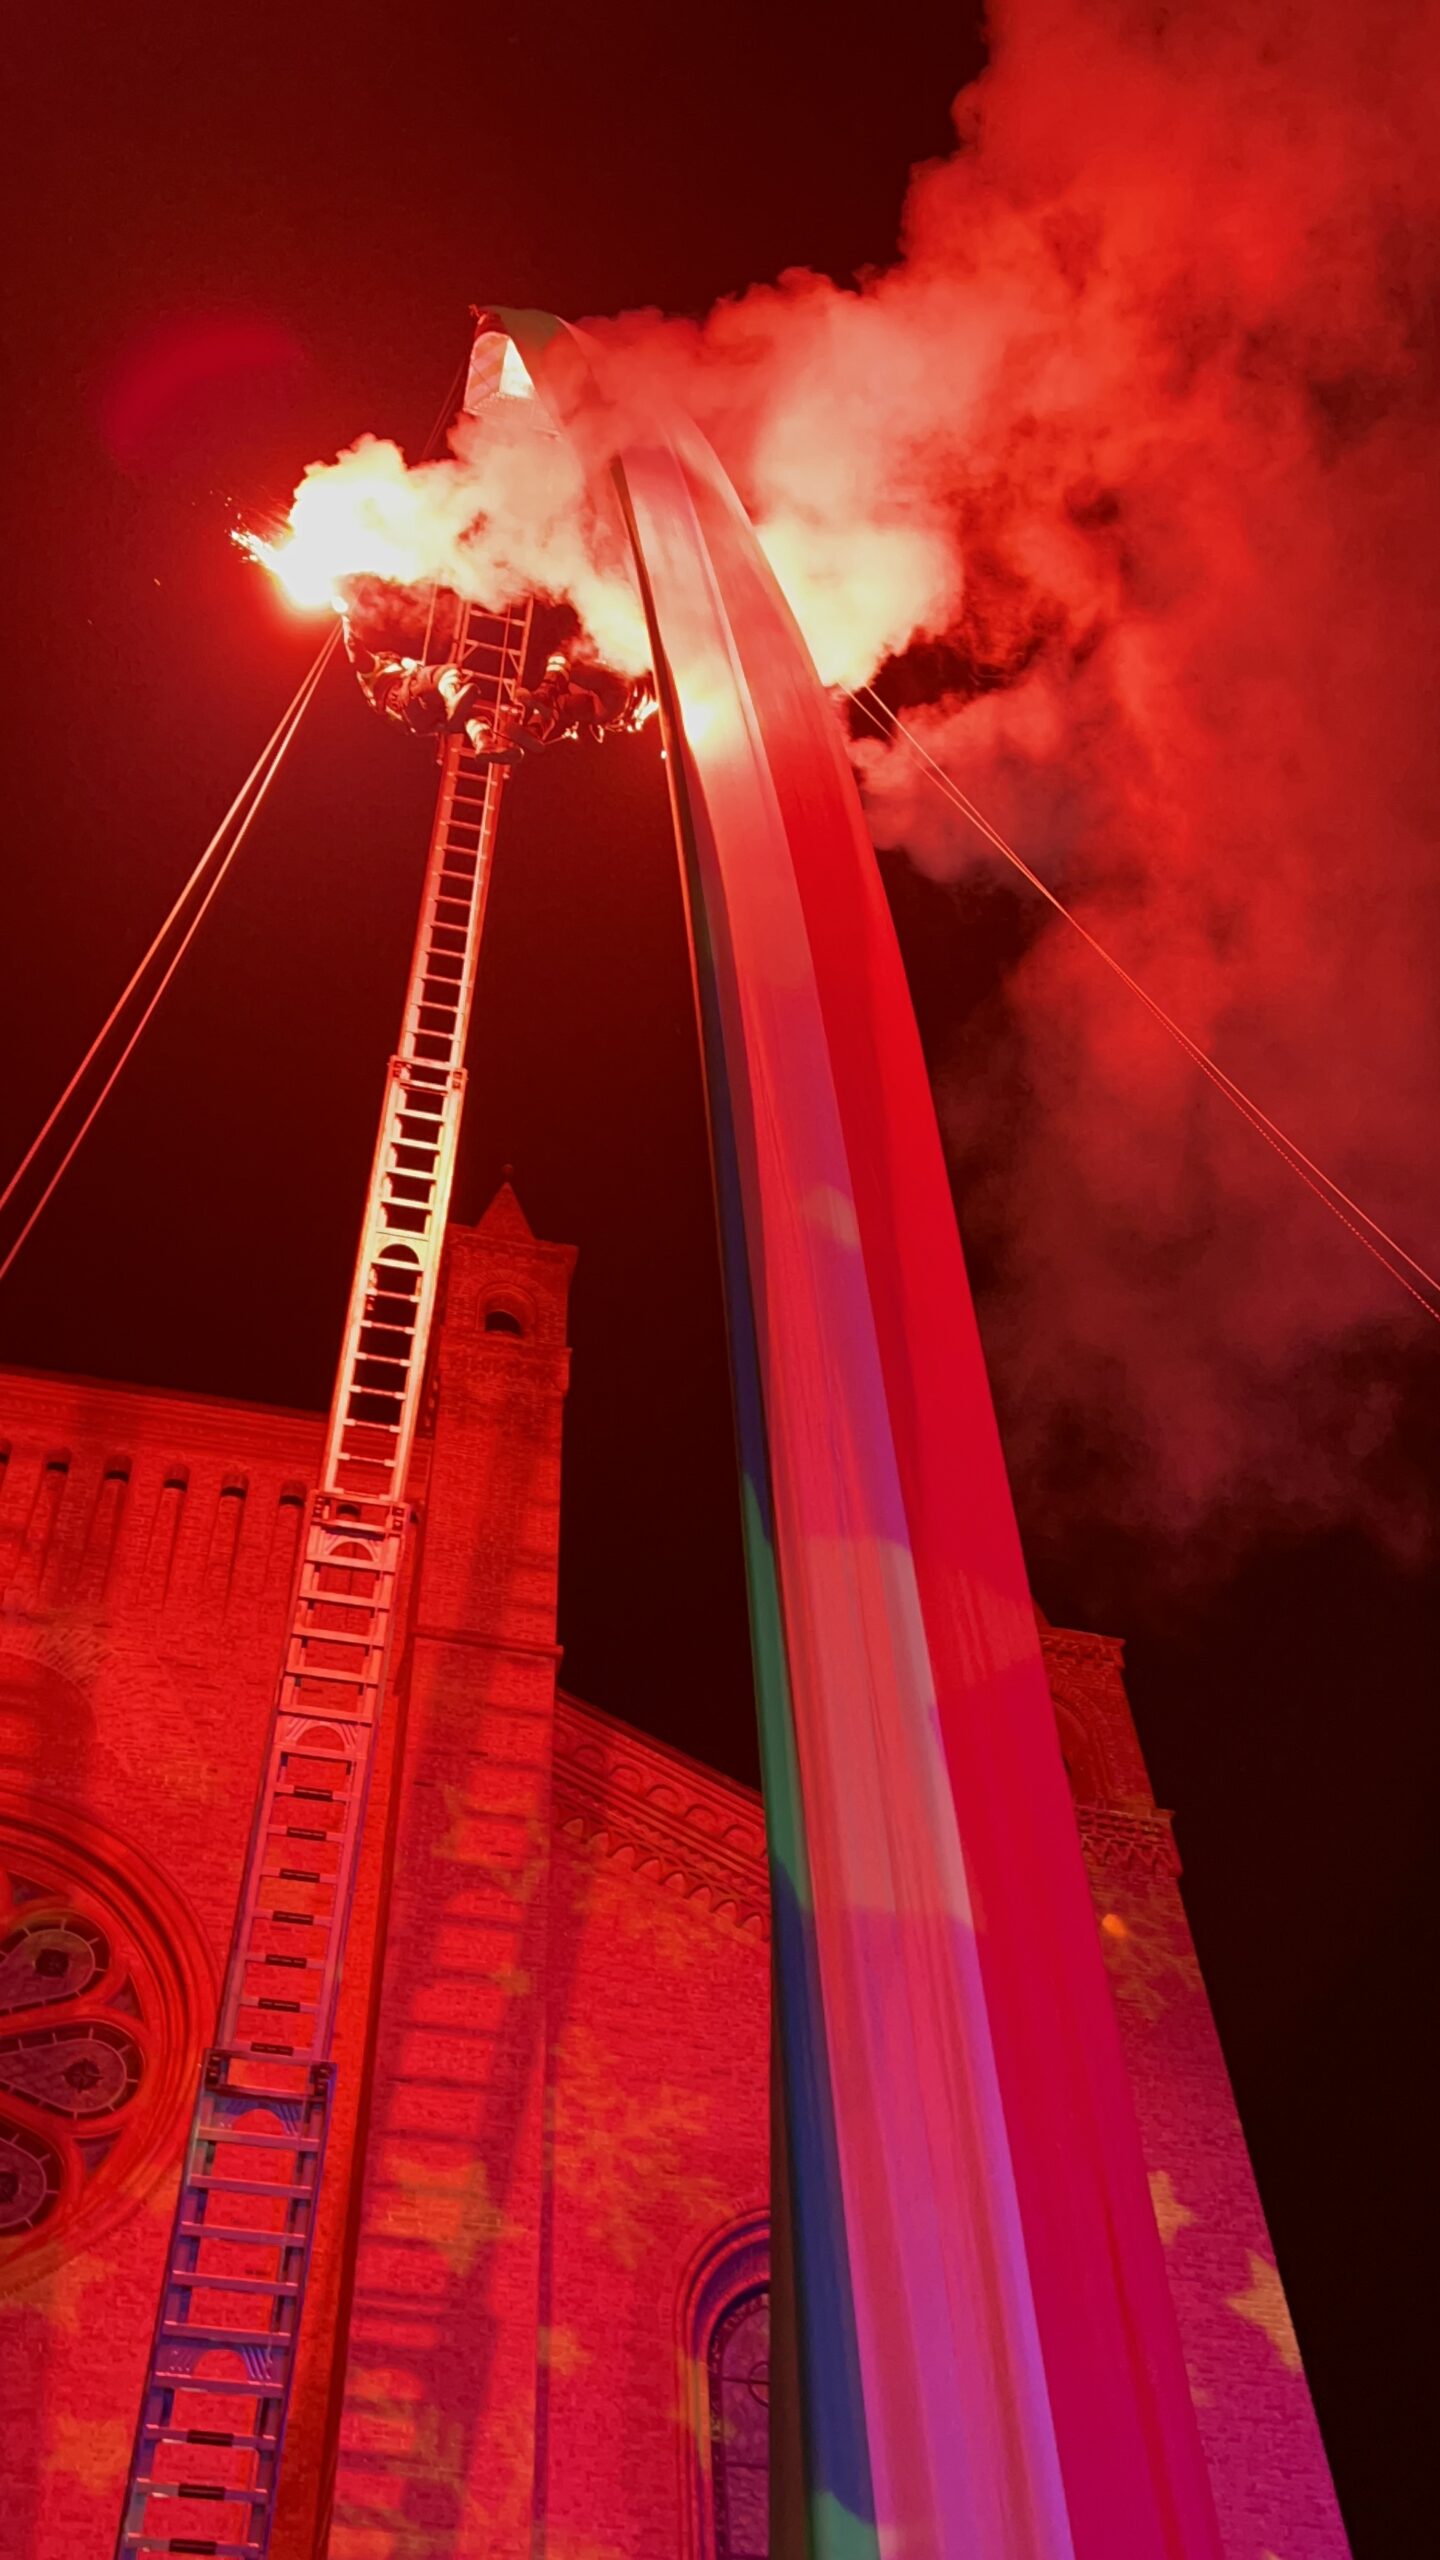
(299, 583)
(503, 516)
(370, 519)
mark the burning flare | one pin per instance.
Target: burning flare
(366, 516)
(505, 515)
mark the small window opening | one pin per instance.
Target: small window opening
(500, 1320)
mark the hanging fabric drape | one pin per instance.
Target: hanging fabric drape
(987, 2355)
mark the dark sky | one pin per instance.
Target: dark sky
(333, 190)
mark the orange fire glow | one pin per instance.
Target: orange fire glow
(367, 518)
(302, 587)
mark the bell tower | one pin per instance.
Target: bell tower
(436, 2412)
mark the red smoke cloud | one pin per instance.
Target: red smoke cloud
(1140, 429)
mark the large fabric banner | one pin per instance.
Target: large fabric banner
(988, 2359)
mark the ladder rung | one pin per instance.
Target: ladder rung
(230, 2440)
(196, 2279)
(280, 2141)
(353, 1612)
(313, 1670)
(227, 2335)
(230, 2231)
(248, 2186)
(253, 2094)
(232, 2386)
(144, 2540)
(211, 2490)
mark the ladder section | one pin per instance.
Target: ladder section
(206, 2462)
(387, 1326)
(207, 2455)
(283, 1980)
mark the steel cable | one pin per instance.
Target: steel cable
(252, 792)
(1327, 1191)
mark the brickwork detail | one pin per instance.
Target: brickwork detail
(668, 1818)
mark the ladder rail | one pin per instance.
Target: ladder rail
(414, 1162)
(209, 2440)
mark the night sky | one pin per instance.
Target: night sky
(316, 199)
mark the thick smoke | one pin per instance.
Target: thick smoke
(1138, 432)
(1125, 465)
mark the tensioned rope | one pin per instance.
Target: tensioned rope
(257, 782)
(241, 815)
(1377, 1241)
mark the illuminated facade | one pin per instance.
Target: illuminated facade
(537, 2319)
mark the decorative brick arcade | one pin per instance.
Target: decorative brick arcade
(537, 2321)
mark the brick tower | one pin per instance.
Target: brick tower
(437, 2395)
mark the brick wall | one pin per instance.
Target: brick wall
(552, 2093)
(1272, 2484)
(657, 2034)
(145, 1555)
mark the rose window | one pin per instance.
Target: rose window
(98, 2030)
(71, 2061)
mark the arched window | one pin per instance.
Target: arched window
(739, 2370)
(725, 2358)
(500, 1320)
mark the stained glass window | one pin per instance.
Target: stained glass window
(71, 2051)
(739, 2375)
(105, 1997)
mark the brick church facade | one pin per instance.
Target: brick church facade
(537, 2321)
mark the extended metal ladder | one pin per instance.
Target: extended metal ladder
(211, 2430)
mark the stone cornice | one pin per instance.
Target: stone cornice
(703, 1836)
(1112, 1838)
(688, 1829)
(94, 1410)
(1076, 1644)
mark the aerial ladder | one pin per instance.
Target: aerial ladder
(206, 2460)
